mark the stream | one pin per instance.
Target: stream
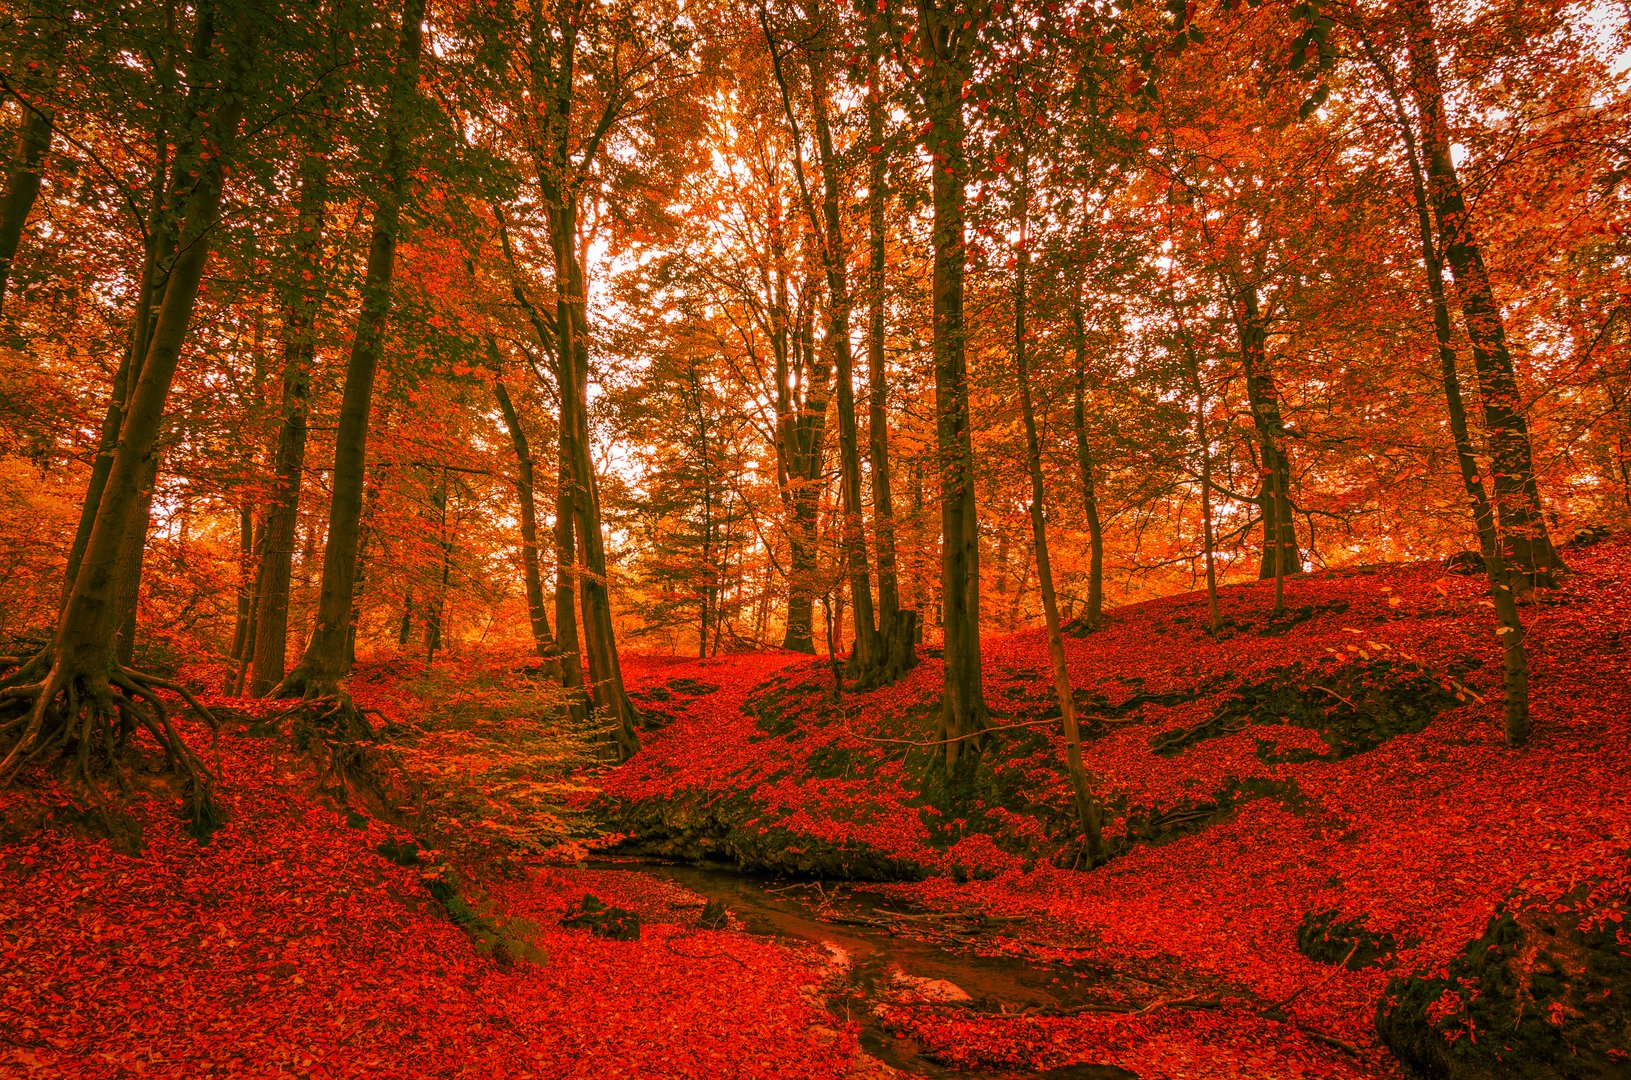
(882, 962)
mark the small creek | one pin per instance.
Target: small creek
(883, 963)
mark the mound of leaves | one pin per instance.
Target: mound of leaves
(507, 940)
(779, 705)
(1329, 938)
(1356, 700)
(662, 705)
(1544, 992)
(602, 919)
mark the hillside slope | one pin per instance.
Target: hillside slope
(1340, 771)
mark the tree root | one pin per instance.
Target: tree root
(350, 752)
(51, 710)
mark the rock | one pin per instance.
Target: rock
(602, 919)
(1327, 937)
(917, 989)
(1465, 563)
(1544, 993)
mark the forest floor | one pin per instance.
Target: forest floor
(1343, 761)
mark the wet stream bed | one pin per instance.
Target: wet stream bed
(895, 955)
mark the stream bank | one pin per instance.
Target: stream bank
(879, 961)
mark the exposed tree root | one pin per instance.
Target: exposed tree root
(51, 710)
(337, 734)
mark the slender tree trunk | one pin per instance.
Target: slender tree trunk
(1093, 617)
(245, 593)
(894, 639)
(1509, 624)
(304, 294)
(594, 597)
(566, 592)
(805, 431)
(438, 604)
(946, 35)
(828, 227)
(1263, 397)
(22, 185)
(326, 658)
(1208, 540)
(1088, 812)
(1526, 544)
(89, 623)
(543, 641)
(132, 559)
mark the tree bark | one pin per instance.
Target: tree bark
(89, 623)
(22, 185)
(1524, 540)
(1093, 617)
(304, 291)
(898, 648)
(946, 35)
(543, 641)
(1088, 812)
(327, 651)
(1500, 578)
(1263, 397)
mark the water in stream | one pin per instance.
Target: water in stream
(880, 962)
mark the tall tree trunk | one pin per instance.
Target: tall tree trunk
(1208, 540)
(566, 592)
(22, 185)
(946, 36)
(828, 228)
(1088, 812)
(304, 292)
(868, 659)
(1093, 617)
(894, 639)
(1263, 397)
(83, 665)
(438, 603)
(1500, 578)
(326, 658)
(132, 558)
(594, 596)
(1524, 540)
(804, 435)
(543, 641)
(169, 185)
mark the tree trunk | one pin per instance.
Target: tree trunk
(566, 592)
(1093, 617)
(326, 658)
(22, 185)
(89, 623)
(543, 641)
(883, 512)
(867, 660)
(304, 292)
(1524, 541)
(594, 597)
(1500, 578)
(1263, 397)
(946, 35)
(1088, 812)
(438, 604)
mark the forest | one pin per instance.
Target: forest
(811, 538)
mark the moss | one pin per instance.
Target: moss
(1355, 706)
(602, 919)
(1329, 938)
(1543, 992)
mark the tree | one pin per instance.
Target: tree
(76, 696)
(328, 651)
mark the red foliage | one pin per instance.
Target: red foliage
(289, 947)
(1422, 834)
